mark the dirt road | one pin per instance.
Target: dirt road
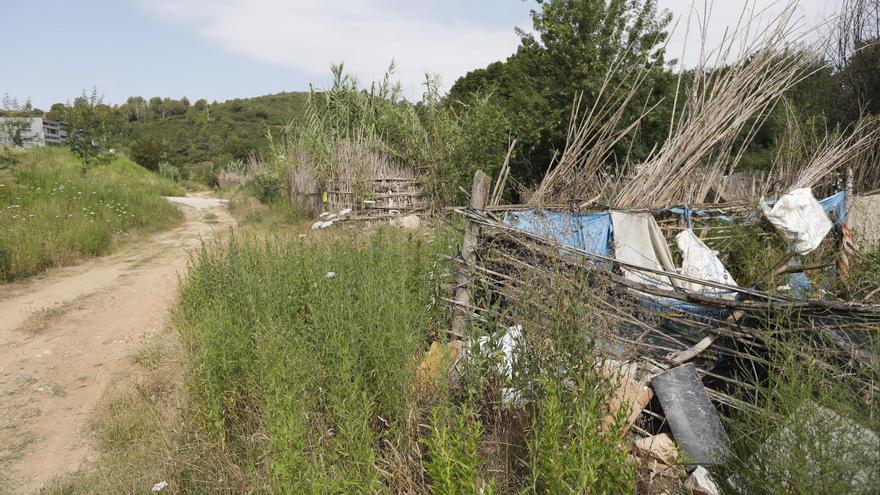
(65, 336)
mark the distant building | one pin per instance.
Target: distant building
(35, 131)
(54, 132)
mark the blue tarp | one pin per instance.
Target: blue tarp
(834, 206)
(588, 231)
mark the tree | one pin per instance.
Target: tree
(147, 152)
(574, 45)
(853, 49)
(92, 127)
(156, 107)
(134, 109)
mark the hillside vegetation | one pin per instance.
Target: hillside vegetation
(52, 215)
(181, 133)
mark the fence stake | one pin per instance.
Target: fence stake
(479, 192)
(847, 243)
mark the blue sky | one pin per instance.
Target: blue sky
(221, 49)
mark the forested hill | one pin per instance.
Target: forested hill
(180, 133)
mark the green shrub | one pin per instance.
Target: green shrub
(454, 465)
(268, 186)
(170, 172)
(311, 361)
(808, 431)
(571, 451)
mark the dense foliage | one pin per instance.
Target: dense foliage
(173, 131)
(574, 46)
(576, 42)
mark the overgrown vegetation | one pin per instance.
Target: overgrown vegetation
(349, 136)
(810, 431)
(305, 368)
(53, 215)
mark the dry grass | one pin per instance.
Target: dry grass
(725, 107)
(39, 321)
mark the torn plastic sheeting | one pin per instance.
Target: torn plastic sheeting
(700, 262)
(590, 232)
(639, 241)
(834, 206)
(694, 422)
(509, 342)
(801, 219)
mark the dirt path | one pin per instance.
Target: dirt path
(66, 335)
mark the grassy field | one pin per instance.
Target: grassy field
(51, 215)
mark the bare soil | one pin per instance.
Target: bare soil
(67, 335)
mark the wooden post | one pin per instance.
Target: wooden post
(479, 193)
(847, 243)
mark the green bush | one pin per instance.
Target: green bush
(170, 172)
(268, 186)
(280, 348)
(147, 152)
(808, 431)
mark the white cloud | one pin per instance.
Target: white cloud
(441, 36)
(309, 35)
(724, 15)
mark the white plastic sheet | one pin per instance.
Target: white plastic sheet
(800, 218)
(509, 342)
(700, 262)
(639, 241)
(864, 220)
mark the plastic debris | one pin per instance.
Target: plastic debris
(660, 447)
(701, 262)
(330, 275)
(158, 487)
(509, 342)
(700, 483)
(439, 359)
(409, 222)
(693, 420)
(801, 219)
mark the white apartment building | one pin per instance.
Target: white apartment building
(35, 131)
